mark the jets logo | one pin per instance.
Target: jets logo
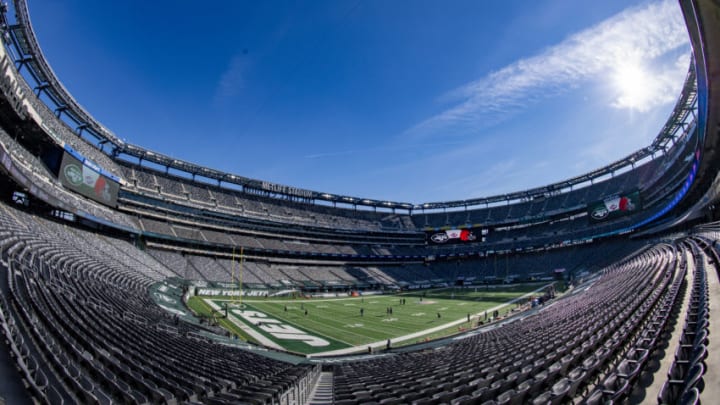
(440, 237)
(600, 213)
(73, 174)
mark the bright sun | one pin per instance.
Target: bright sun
(634, 85)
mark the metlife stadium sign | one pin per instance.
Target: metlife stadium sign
(615, 206)
(84, 177)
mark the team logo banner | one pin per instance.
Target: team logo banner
(86, 180)
(455, 236)
(615, 206)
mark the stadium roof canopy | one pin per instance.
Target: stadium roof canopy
(30, 56)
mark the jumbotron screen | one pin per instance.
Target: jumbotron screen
(453, 236)
(615, 206)
(82, 178)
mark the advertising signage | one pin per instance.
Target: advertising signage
(85, 178)
(615, 206)
(455, 236)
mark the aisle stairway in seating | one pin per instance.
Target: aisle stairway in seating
(323, 391)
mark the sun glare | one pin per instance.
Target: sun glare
(634, 86)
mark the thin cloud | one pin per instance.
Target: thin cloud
(641, 88)
(380, 149)
(639, 33)
(232, 80)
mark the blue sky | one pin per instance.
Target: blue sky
(394, 100)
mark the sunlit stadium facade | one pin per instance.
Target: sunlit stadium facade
(91, 222)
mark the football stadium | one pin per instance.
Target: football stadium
(131, 276)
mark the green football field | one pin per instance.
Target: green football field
(311, 326)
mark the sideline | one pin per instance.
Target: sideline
(313, 300)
